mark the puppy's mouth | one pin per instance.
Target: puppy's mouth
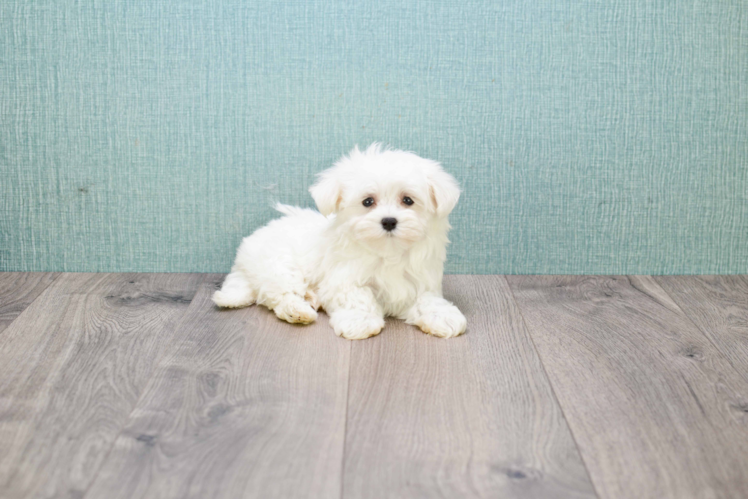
(378, 237)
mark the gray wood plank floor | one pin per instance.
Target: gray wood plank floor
(72, 367)
(649, 399)
(244, 406)
(135, 385)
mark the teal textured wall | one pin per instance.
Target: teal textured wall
(589, 136)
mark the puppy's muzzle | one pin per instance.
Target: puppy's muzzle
(389, 223)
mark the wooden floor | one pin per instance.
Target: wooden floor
(135, 385)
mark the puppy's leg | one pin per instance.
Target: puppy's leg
(436, 316)
(293, 308)
(283, 291)
(235, 292)
(355, 313)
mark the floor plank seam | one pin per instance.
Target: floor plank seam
(345, 422)
(52, 281)
(553, 388)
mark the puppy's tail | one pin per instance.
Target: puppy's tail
(289, 210)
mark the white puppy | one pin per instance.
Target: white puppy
(376, 249)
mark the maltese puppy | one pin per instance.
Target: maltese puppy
(376, 249)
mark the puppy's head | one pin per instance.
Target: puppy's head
(386, 198)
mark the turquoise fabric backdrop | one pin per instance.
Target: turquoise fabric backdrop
(589, 136)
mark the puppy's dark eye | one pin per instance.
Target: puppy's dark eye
(368, 202)
(408, 201)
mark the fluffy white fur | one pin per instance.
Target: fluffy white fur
(344, 260)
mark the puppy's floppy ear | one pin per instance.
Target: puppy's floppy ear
(444, 191)
(327, 192)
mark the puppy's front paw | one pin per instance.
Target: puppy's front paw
(445, 322)
(294, 309)
(356, 325)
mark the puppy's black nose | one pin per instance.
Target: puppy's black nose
(389, 223)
